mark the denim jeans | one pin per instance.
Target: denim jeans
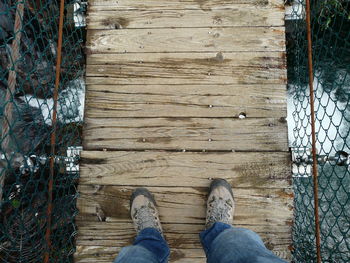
(222, 243)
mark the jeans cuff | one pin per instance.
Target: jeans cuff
(208, 236)
(152, 239)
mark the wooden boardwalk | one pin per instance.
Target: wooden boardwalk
(180, 92)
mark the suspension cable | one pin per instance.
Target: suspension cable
(53, 134)
(313, 132)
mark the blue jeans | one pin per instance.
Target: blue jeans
(222, 243)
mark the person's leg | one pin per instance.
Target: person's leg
(224, 243)
(149, 245)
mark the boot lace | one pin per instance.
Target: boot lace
(219, 211)
(146, 217)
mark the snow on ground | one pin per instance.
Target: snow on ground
(295, 11)
(329, 118)
(70, 107)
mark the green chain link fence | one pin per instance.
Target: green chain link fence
(330, 21)
(24, 158)
(29, 50)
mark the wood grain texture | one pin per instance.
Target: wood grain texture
(186, 101)
(263, 134)
(163, 76)
(262, 209)
(180, 4)
(179, 236)
(188, 169)
(241, 15)
(103, 254)
(186, 40)
(183, 68)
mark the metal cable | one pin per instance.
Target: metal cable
(313, 132)
(53, 134)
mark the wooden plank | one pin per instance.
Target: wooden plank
(249, 134)
(190, 169)
(183, 68)
(180, 4)
(241, 15)
(185, 101)
(256, 208)
(102, 254)
(208, 59)
(99, 254)
(179, 236)
(224, 39)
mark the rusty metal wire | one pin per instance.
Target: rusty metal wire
(313, 132)
(53, 134)
(42, 86)
(318, 54)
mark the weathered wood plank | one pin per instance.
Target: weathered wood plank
(207, 59)
(183, 68)
(179, 236)
(241, 15)
(102, 254)
(249, 134)
(187, 40)
(180, 4)
(256, 208)
(190, 169)
(185, 101)
(133, 98)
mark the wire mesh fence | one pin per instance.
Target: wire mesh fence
(29, 229)
(330, 20)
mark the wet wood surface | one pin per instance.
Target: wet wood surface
(178, 93)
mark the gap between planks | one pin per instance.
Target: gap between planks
(205, 5)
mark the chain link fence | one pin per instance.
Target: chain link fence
(330, 21)
(36, 222)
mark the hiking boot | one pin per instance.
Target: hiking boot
(220, 204)
(143, 210)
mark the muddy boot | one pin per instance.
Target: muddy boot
(220, 204)
(143, 211)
